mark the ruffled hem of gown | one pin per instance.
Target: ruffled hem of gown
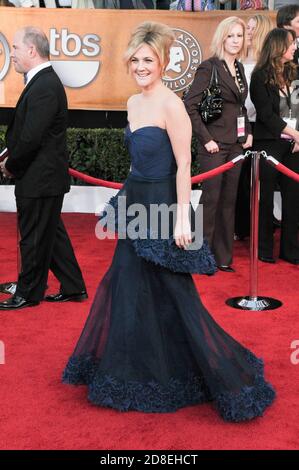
(164, 252)
(152, 397)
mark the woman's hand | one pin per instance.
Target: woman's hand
(293, 133)
(212, 147)
(296, 147)
(248, 142)
(182, 233)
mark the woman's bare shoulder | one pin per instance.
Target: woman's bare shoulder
(173, 101)
(133, 99)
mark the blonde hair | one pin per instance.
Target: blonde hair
(158, 36)
(221, 33)
(263, 26)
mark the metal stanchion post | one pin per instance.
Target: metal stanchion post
(253, 301)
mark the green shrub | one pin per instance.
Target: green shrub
(98, 152)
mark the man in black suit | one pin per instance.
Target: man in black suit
(38, 160)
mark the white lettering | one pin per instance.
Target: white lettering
(53, 36)
(2, 353)
(71, 44)
(90, 41)
(65, 40)
(295, 354)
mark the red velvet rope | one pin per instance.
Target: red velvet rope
(110, 184)
(286, 171)
(92, 180)
(210, 174)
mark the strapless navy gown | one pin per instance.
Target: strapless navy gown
(148, 343)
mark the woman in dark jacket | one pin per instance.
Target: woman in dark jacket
(219, 141)
(276, 104)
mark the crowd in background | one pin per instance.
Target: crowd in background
(269, 122)
(188, 5)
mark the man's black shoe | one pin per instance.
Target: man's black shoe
(15, 302)
(226, 269)
(267, 259)
(289, 260)
(67, 297)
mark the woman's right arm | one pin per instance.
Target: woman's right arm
(201, 82)
(294, 134)
(259, 92)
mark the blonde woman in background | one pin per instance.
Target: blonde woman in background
(219, 141)
(258, 26)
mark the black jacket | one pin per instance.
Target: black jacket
(36, 138)
(265, 98)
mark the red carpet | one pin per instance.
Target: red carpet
(38, 412)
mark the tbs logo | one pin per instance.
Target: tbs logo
(4, 56)
(75, 73)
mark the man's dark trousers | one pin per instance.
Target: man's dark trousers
(45, 245)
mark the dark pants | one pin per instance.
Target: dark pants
(44, 245)
(218, 199)
(269, 176)
(242, 213)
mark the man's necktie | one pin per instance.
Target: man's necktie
(25, 78)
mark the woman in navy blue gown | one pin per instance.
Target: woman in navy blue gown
(149, 344)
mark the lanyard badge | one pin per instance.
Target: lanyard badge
(241, 128)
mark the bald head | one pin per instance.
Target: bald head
(30, 48)
(36, 37)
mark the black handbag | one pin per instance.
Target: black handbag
(210, 107)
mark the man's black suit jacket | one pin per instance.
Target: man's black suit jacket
(36, 138)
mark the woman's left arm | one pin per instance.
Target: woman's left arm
(179, 129)
(249, 139)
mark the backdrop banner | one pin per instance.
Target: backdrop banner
(87, 48)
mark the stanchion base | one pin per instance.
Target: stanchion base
(254, 303)
(8, 288)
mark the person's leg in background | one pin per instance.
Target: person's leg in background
(225, 215)
(38, 219)
(242, 212)
(65, 267)
(210, 192)
(289, 245)
(268, 181)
